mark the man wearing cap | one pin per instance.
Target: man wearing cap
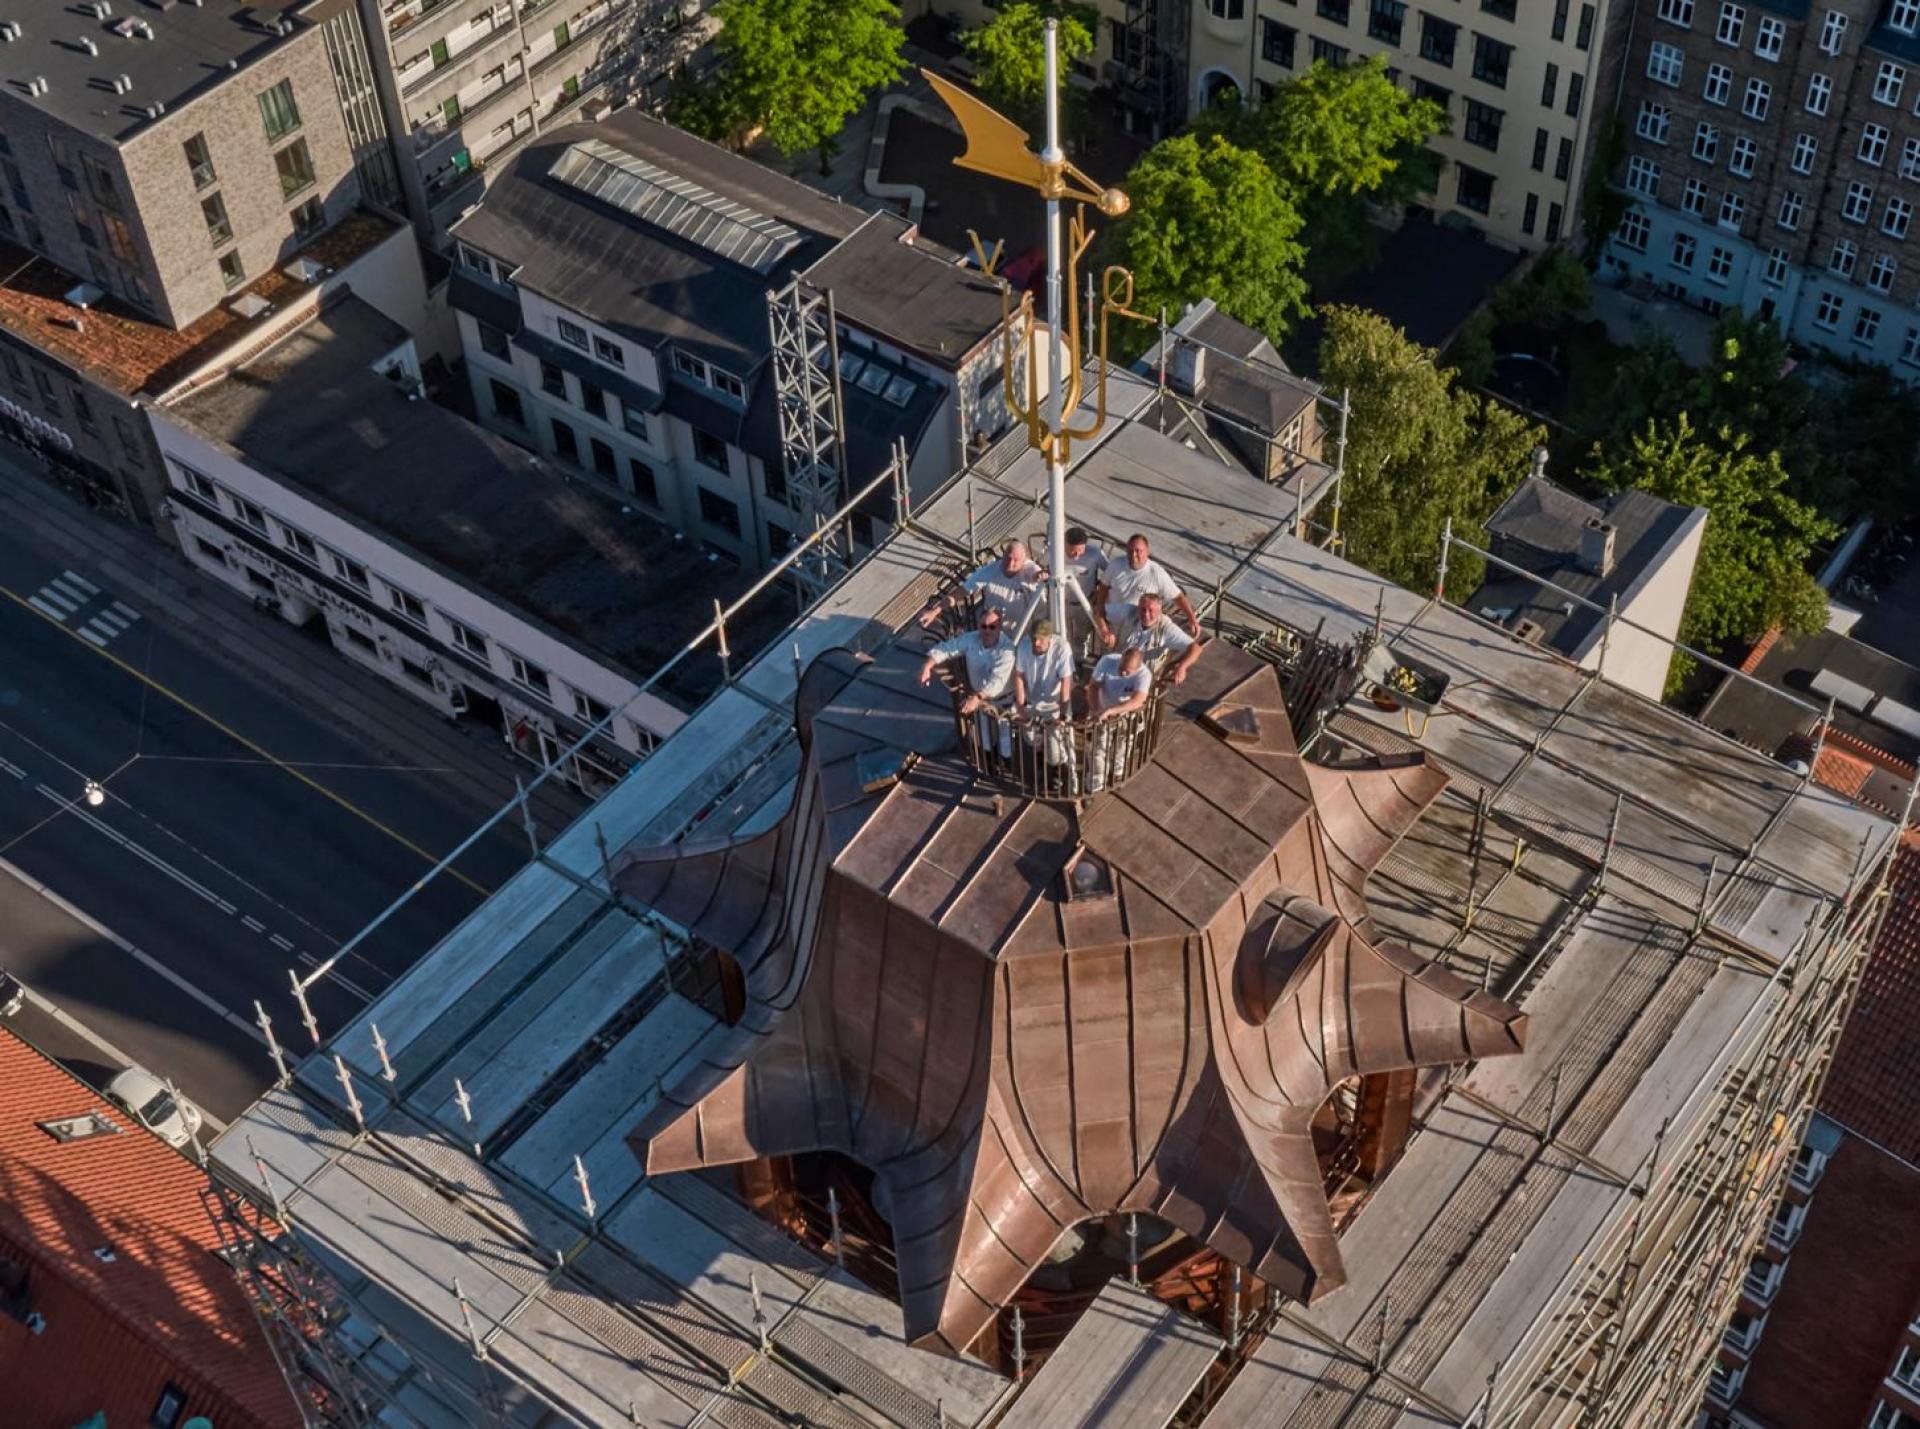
(987, 656)
(1125, 579)
(1043, 688)
(1119, 686)
(1009, 585)
(1152, 632)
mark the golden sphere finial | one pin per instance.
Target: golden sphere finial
(1113, 203)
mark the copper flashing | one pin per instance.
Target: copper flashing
(922, 996)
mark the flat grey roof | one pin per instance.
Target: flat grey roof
(190, 52)
(917, 298)
(312, 410)
(1632, 1015)
(1797, 663)
(635, 276)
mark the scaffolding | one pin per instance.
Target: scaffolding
(813, 441)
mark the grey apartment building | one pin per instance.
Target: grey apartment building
(617, 294)
(466, 83)
(1773, 163)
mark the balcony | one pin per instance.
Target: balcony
(1762, 1280)
(457, 69)
(457, 192)
(437, 131)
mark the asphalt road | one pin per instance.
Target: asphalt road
(240, 835)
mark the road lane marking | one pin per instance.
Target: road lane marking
(68, 600)
(145, 959)
(86, 585)
(252, 925)
(47, 610)
(279, 942)
(139, 851)
(14, 769)
(230, 732)
(88, 634)
(124, 611)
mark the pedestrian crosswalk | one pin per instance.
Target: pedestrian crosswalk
(75, 601)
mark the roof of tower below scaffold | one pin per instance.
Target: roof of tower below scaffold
(1007, 1059)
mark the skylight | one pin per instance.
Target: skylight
(727, 229)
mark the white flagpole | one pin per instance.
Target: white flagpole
(1054, 157)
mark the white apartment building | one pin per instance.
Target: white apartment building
(614, 296)
(1523, 86)
(450, 563)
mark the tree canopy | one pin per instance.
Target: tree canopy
(1009, 57)
(1420, 450)
(1752, 572)
(797, 69)
(1338, 138)
(1208, 220)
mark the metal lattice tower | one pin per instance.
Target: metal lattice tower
(806, 386)
(1155, 62)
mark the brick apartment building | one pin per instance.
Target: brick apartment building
(115, 1304)
(1773, 163)
(158, 171)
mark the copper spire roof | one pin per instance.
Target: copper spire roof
(923, 997)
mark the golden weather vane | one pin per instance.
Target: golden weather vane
(999, 147)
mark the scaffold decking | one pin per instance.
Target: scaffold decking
(1679, 918)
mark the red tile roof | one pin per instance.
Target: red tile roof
(129, 353)
(164, 1310)
(1873, 1088)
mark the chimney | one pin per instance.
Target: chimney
(1187, 372)
(1596, 547)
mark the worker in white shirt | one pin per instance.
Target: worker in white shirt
(1153, 633)
(1043, 690)
(987, 656)
(1084, 561)
(1009, 585)
(1119, 686)
(1126, 578)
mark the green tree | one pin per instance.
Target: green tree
(1009, 57)
(1208, 221)
(1339, 138)
(1420, 450)
(1752, 571)
(1555, 290)
(795, 70)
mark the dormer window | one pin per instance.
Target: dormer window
(706, 374)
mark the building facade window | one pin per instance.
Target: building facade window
(1757, 100)
(645, 484)
(1827, 313)
(1437, 40)
(232, 272)
(1774, 274)
(1896, 218)
(1718, 88)
(1473, 188)
(1643, 176)
(213, 209)
(1666, 64)
(611, 353)
(1677, 12)
(279, 115)
(710, 451)
(1819, 93)
(718, 512)
(1806, 149)
(528, 675)
(1741, 160)
(1633, 232)
(603, 462)
(1483, 125)
(1386, 19)
(1277, 42)
(1684, 251)
(1881, 273)
(1563, 161)
(1833, 32)
(1491, 59)
(571, 333)
(494, 342)
(1529, 215)
(1769, 38)
(1654, 122)
(1910, 159)
(1844, 258)
(566, 445)
(506, 404)
(1550, 86)
(1694, 198)
(1540, 141)
(465, 637)
(1706, 142)
(1732, 25)
(199, 161)
(310, 217)
(1866, 326)
(1576, 88)
(1791, 207)
(1719, 264)
(1888, 81)
(352, 572)
(1873, 144)
(1858, 202)
(1733, 211)
(406, 604)
(1903, 17)
(295, 167)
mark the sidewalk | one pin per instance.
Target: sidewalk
(159, 581)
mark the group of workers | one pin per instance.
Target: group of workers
(1031, 679)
